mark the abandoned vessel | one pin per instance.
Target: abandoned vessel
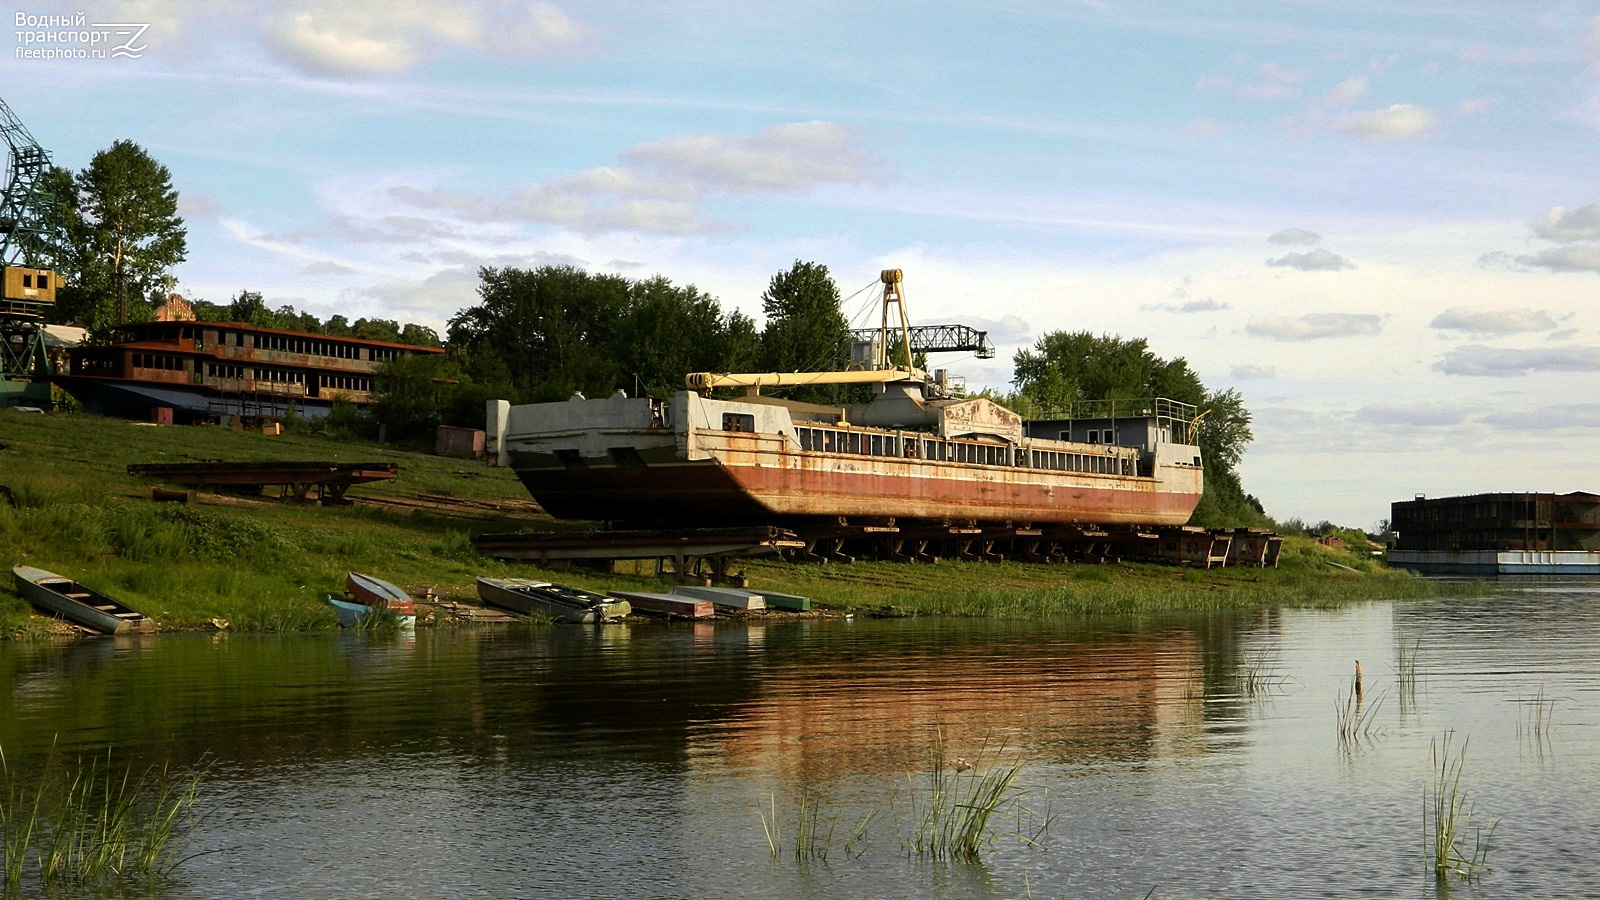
(915, 454)
(206, 370)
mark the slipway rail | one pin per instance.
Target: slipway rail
(330, 480)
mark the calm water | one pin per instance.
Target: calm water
(634, 760)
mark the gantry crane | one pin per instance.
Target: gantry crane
(27, 283)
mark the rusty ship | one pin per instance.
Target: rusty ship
(211, 370)
(917, 453)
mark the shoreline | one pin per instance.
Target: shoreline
(262, 564)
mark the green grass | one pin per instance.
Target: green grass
(93, 821)
(954, 810)
(1447, 816)
(1355, 719)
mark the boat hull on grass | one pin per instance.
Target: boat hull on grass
(669, 605)
(793, 602)
(542, 599)
(732, 598)
(380, 594)
(67, 599)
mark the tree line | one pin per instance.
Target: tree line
(545, 333)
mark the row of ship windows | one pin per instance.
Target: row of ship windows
(286, 344)
(165, 363)
(831, 441)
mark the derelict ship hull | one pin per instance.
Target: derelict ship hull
(609, 460)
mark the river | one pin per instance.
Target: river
(1182, 755)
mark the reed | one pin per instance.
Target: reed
(1537, 717)
(1406, 673)
(813, 828)
(94, 821)
(19, 821)
(1447, 815)
(953, 814)
(1355, 719)
(1258, 676)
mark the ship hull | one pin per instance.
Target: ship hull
(698, 462)
(715, 492)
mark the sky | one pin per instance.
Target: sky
(1378, 221)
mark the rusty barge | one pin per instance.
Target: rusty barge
(916, 457)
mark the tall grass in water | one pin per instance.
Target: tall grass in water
(1447, 814)
(1258, 676)
(1356, 720)
(94, 821)
(1406, 674)
(813, 833)
(1537, 718)
(952, 817)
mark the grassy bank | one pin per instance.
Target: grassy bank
(261, 563)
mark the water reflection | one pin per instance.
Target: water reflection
(488, 753)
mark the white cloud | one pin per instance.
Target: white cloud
(1189, 306)
(1314, 326)
(1410, 415)
(1496, 362)
(1251, 371)
(1272, 81)
(1400, 121)
(1564, 225)
(1343, 94)
(1590, 45)
(1318, 260)
(1203, 128)
(1477, 106)
(661, 185)
(791, 157)
(1493, 321)
(362, 38)
(1294, 236)
(1571, 258)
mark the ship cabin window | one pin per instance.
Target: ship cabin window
(1094, 435)
(742, 423)
(27, 279)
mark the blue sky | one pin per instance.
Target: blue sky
(1380, 222)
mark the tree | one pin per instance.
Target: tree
(122, 233)
(805, 331)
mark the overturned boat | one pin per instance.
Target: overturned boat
(916, 453)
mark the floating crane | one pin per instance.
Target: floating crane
(27, 283)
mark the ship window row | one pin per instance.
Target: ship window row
(279, 376)
(309, 346)
(158, 361)
(223, 370)
(346, 383)
(827, 440)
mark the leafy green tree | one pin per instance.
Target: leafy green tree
(671, 331)
(121, 234)
(553, 330)
(805, 331)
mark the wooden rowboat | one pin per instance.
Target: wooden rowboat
(72, 601)
(378, 593)
(542, 599)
